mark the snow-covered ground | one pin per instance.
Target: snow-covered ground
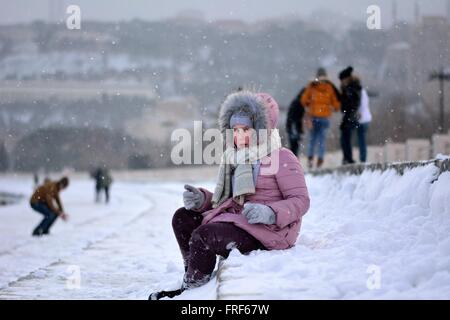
(121, 251)
(377, 235)
(374, 236)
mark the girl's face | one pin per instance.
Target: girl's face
(241, 136)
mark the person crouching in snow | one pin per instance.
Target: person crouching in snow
(42, 201)
(253, 206)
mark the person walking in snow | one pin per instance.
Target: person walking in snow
(43, 200)
(258, 201)
(294, 123)
(351, 100)
(320, 99)
(103, 181)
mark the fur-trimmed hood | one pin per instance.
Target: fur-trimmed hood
(260, 107)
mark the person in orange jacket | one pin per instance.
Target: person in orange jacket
(320, 99)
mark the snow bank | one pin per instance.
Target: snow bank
(374, 236)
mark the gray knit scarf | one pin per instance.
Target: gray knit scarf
(239, 162)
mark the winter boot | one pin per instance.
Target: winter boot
(165, 294)
(319, 163)
(345, 162)
(38, 232)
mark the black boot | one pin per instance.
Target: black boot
(38, 232)
(163, 294)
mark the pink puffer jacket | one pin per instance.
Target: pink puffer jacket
(285, 192)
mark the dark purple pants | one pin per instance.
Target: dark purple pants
(199, 244)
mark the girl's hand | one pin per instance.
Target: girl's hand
(193, 198)
(258, 213)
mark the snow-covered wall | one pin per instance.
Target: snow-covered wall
(374, 235)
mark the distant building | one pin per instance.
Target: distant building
(158, 123)
(448, 12)
(70, 90)
(422, 49)
(430, 46)
(397, 66)
(232, 25)
(56, 10)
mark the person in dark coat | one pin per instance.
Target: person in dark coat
(294, 128)
(103, 182)
(350, 102)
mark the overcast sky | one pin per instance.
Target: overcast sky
(12, 11)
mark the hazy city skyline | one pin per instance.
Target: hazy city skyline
(23, 11)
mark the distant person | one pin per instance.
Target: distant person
(103, 182)
(320, 99)
(364, 119)
(43, 200)
(294, 127)
(36, 179)
(351, 100)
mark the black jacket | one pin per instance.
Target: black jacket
(350, 102)
(295, 116)
(102, 178)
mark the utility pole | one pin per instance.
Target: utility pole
(442, 76)
(394, 12)
(416, 13)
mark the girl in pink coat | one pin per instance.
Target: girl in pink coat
(259, 199)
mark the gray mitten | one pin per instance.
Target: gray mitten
(193, 198)
(258, 213)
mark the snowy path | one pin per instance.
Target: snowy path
(122, 252)
(378, 235)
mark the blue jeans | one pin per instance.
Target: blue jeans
(317, 136)
(49, 218)
(362, 131)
